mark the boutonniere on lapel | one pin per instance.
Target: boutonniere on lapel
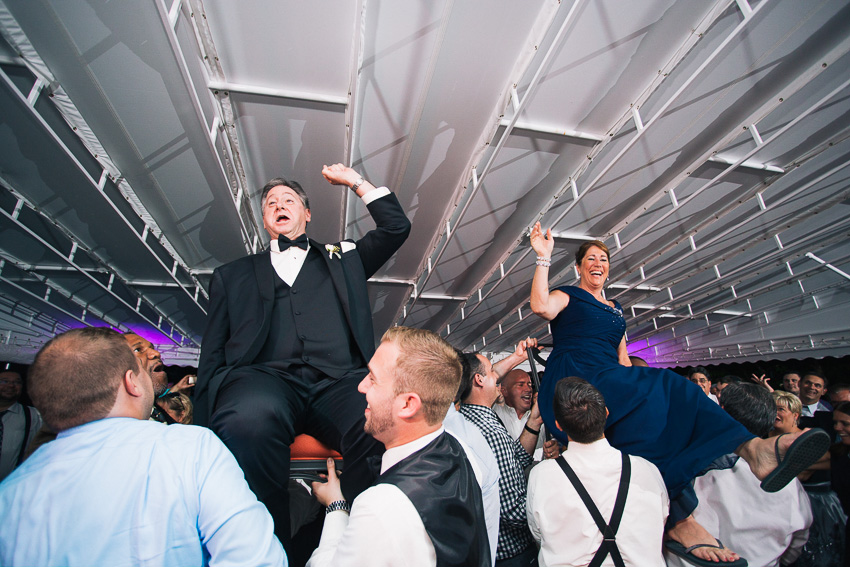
(332, 251)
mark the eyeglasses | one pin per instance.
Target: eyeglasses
(699, 380)
(15, 382)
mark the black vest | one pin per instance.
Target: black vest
(441, 484)
(308, 325)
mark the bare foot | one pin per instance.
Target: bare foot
(760, 454)
(689, 532)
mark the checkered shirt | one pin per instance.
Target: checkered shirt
(514, 536)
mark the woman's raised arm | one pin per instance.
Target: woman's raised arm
(544, 303)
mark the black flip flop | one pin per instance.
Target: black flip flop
(803, 453)
(686, 553)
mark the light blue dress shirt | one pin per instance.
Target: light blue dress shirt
(122, 491)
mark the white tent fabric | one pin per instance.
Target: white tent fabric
(705, 142)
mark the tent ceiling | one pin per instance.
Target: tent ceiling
(705, 142)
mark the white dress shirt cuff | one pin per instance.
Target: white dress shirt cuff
(375, 194)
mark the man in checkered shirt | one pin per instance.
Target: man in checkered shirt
(516, 546)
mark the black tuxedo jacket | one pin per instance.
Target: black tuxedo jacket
(242, 297)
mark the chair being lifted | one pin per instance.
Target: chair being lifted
(309, 457)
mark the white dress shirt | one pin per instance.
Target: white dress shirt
(14, 423)
(486, 469)
(287, 264)
(515, 426)
(764, 528)
(126, 492)
(560, 522)
(809, 410)
(384, 528)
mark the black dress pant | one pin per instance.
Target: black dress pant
(260, 410)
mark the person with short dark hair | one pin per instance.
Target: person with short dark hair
(699, 375)
(514, 411)
(791, 382)
(148, 355)
(19, 423)
(769, 529)
(724, 381)
(812, 388)
(425, 508)
(288, 335)
(515, 545)
(839, 393)
(480, 455)
(115, 488)
(559, 515)
(817, 412)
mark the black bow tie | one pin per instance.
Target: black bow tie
(283, 243)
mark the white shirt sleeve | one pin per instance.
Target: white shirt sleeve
(375, 194)
(802, 517)
(384, 530)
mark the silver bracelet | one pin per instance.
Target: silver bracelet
(338, 505)
(544, 263)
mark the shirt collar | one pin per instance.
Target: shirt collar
(476, 409)
(396, 454)
(105, 424)
(589, 449)
(15, 408)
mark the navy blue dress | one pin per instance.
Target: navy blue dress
(653, 413)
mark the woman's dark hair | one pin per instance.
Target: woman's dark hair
(582, 250)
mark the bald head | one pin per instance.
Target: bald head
(150, 359)
(517, 391)
(75, 377)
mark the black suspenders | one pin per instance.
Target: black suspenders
(609, 530)
(26, 440)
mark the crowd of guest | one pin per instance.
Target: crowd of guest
(449, 458)
(542, 517)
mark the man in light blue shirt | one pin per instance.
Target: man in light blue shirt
(115, 489)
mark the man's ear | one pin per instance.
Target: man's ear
(478, 380)
(132, 384)
(411, 404)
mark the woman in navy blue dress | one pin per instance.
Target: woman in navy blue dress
(653, 413)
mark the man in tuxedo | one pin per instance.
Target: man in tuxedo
(425, 509)
(289, 333)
